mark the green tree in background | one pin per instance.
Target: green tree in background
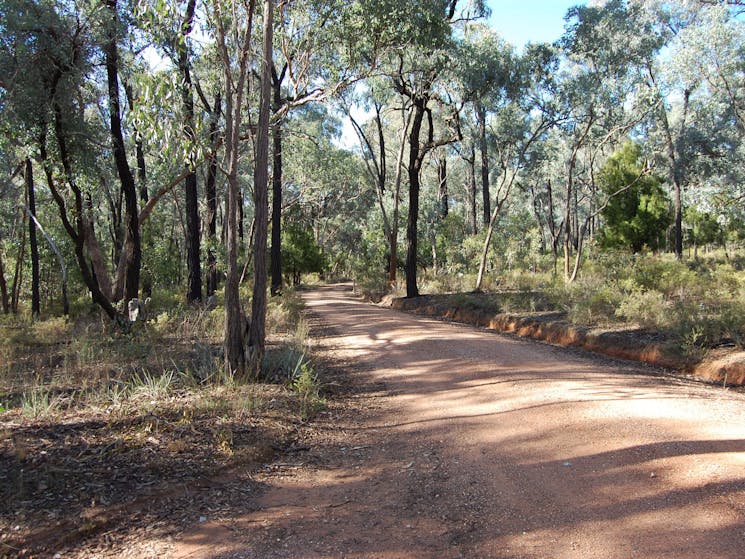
(638, 212)
(300, 252)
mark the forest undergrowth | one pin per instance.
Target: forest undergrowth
(696, 304)
(93, 419)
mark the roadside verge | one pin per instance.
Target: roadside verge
(723, 365)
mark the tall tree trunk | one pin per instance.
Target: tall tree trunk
(568, 226)
(674, 155)
(132, 246)
(211, 194)
(442, 174)
(415, 163)
(235, 325)
(483, 148)
(276, 248)
(393, 240)
(33, 245)
(193, 267)
(257, 329)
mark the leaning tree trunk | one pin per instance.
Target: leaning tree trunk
(76, 232)
(18, 274)
(132, 246)
(60, 260)
(33, 245)
(257, 329)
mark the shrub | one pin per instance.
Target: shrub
(648, 309)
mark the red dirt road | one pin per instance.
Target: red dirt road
(470, 444)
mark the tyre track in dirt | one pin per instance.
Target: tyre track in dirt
(464, 443)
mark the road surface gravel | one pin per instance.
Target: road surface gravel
(461, 443)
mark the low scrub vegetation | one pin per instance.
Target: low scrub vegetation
(55, 365)
(700, 303)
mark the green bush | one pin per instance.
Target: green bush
(648, 309)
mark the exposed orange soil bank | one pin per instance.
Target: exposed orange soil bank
(721, 365)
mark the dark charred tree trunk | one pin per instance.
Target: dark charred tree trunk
(132, 246)
(193, 267)
(32, 241)
(473, 196)
(241, 232)
(415, 166)
(276, 245)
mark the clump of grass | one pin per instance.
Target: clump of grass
(40, 402)
(151, 386)
(305, 383)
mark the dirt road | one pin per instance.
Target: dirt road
(463, 443)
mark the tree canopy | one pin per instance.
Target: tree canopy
(152, 138)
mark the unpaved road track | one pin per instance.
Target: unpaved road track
(470, 444)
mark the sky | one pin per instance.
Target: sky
(521, 21)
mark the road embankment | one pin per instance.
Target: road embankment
(724, 365)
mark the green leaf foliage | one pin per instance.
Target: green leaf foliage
(300, 252)
(638, 210)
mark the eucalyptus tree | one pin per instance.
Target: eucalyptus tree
(508, 123)
(386, 108)
(515, 132)
(416, 70)
(305, 69)
(325, 189)
(47, 59)
(599, 104)
(257, 326)
(489, 74)
(687, 51)
(233, 30)
(711, 49)
(132, 250)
